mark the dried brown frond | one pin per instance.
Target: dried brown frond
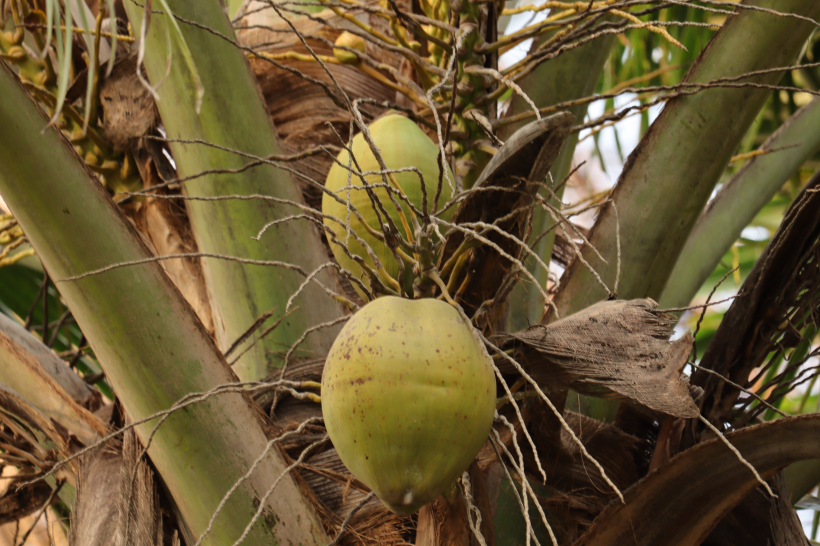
(613, 349)
(780, 299)
(517, 170)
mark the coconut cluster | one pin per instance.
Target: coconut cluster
(408, 390)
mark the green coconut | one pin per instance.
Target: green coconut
(408, 398)
(402, 144)
(348, 39)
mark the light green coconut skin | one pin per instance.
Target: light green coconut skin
(402, 144)
(408, 398)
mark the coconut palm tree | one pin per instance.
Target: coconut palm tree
(213, 191)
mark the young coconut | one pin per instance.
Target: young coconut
(408, 398)
(401, 144)
(348, 39)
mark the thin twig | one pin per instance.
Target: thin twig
(43, 290)
(253, 327)
(560, 417)
(617, 249)
(269, 492)
(153, 259)
(732, 383)
(262, 336)
(304, 335)
(703, 312)
(691, 307)
(250, 471)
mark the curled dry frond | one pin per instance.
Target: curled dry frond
(779, 303)
(614, 349)
(505, 190)
(706, 481)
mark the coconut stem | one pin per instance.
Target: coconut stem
(436, 279)
(504, 400)
(452, 282)
(457, 255)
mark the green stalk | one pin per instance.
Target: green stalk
(150, 343)
(799, 353)
(233, 115)
(669, 177)
(233, 6)
(801, 478)
(739, 200)
(569, 76)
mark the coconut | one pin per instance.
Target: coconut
(348, 39)
(408, 398)
(402, 144)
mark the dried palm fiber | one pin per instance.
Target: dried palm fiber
(336, 493)
(34, 432)
(614, 349)
(570, 472)
(106, 497)
(324, 478)
(300, 109)
(165, 224)
(95, 514)
(16, 504)
(139, 521)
